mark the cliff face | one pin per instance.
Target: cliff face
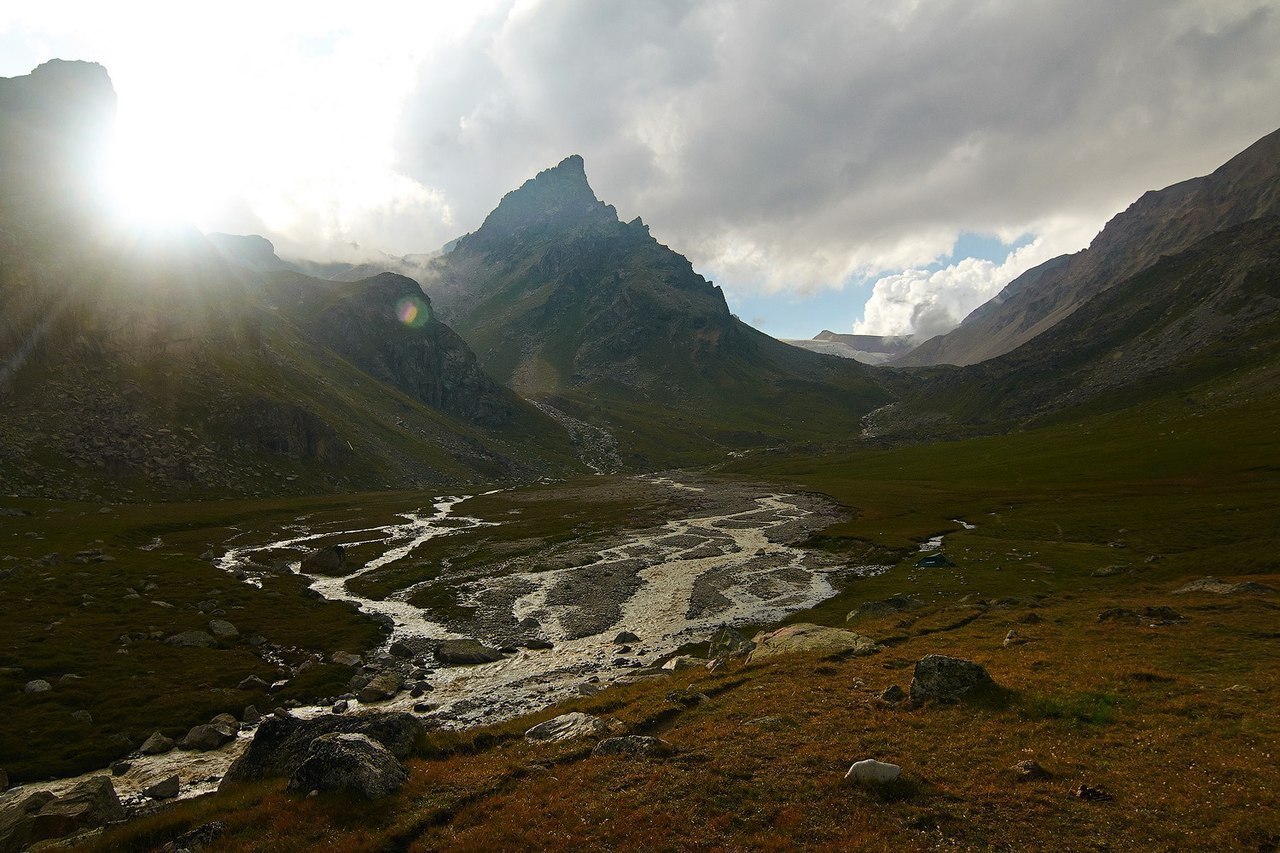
(1159, 223)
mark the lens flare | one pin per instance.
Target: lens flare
(413, 312)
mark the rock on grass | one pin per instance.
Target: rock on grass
(348, 762)
(940, 678)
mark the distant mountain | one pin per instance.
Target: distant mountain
(594, 317)
(1202, 325)
(1159, 223)
(136, 366)
(868, 349)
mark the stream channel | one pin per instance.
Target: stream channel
(734, 559)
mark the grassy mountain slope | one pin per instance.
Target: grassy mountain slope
(1159, 223)
(139, 365)
(1204, 322)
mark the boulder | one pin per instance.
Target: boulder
(348, 762)
(381, 687)
(566, 727)
(870, 770)
(38, 685)
(940, 678)
(192, 639)
(400, 649)
(463, 652)
(252, 682)
(281, 743)
(537, 643)
(221, 629)
(119, 768)
(1220, 587)
(326, 561)
(205, 738)
(625, 637)
(726, 642)
(251, 715)
(227, 720)
(91, 804)
(165, 789)
(634, 746)
(804, 638)
(156, 744)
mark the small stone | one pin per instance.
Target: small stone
(251, 715)
(400, 650)
(83, 717)
(156, 744)
(625, 637)
(381, 688)
(38, 685)
(1013, 638)
(192, 639)
(634, 746)
(165, 789)
(870, 770)
(119, 768)
(681, 662)
(1030, 771)
(221, 629)
(566, 727)
(341, 706)
(893, 694)
(1092, 793)
(345, 659)
(537, 643)
(252, 682)
(207, 737)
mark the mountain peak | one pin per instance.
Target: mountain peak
(557, 196)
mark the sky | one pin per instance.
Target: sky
(870, 166)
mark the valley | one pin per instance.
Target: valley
(531, 542)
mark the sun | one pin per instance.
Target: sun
(149, 181)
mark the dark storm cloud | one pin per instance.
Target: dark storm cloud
(797, 144)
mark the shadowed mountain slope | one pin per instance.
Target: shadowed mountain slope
(1159, 223)
(1203, 323)
(576, 309)
(144, 364)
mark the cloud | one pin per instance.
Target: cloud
(924, 303)
(802, 146)
(785, 148)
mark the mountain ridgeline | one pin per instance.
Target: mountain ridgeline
(143, 365)
(1161, 222)
(576, 309)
